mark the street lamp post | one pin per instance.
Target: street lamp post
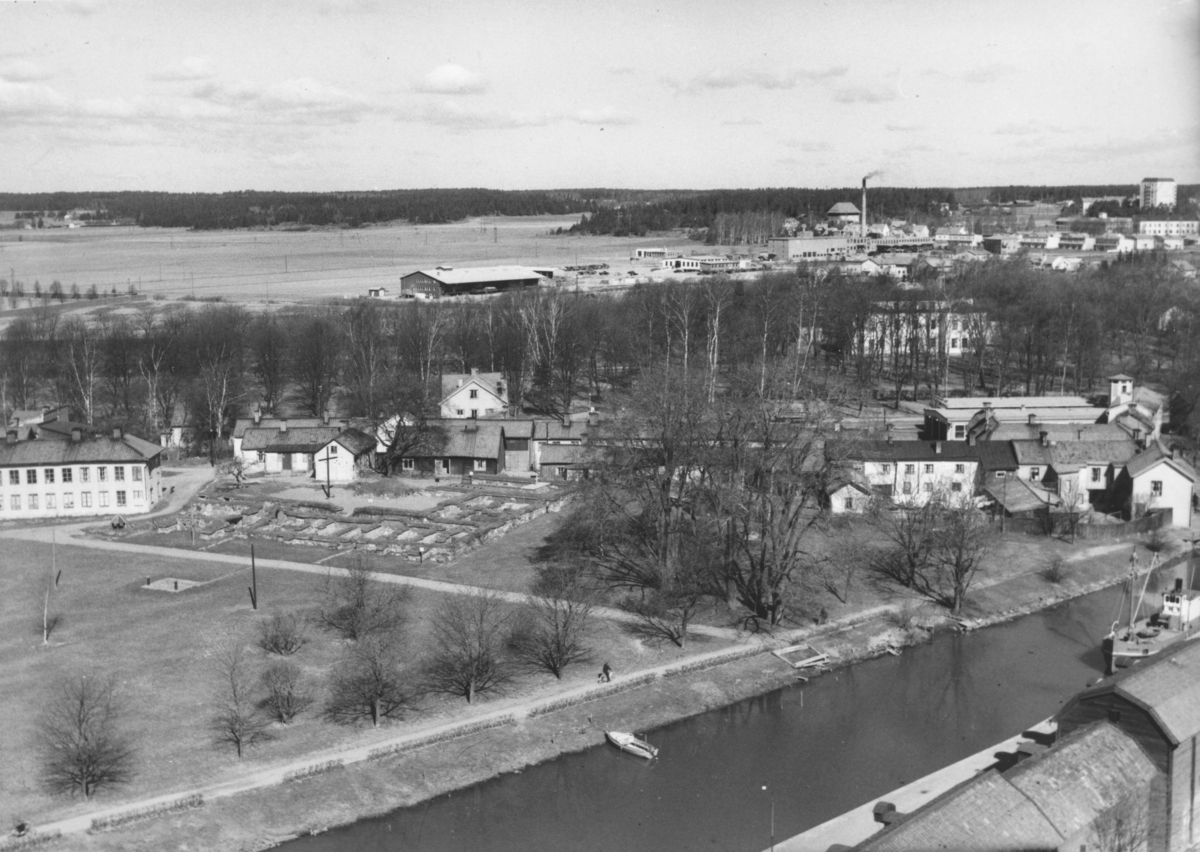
(772, 818)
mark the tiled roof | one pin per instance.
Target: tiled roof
(471, 439)
(1083, 776)
(61, 429)
(92, 450)
(302, 439)
(1065, 453)
(356, 441)
(1017, 495)
(983, 813)
(566, 454)
(996, 455)
(1022, 431)
(903, 450)
(1143, 461)
(1010, 403)
(556, 430)
(453, 381)
(243, 423)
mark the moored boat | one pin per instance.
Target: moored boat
(630, 743)
(1177, 620)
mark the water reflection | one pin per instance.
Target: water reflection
(820, 748)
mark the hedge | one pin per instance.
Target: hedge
(314, 769)
(443, 736)
(196, 800)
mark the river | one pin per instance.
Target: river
(820, 749)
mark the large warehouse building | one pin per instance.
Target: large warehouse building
(448, 281)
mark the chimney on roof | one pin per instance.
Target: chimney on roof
(474, 371)
(937, 447)
(987, 403)
(1044, 437)
(282, 425)
(889, 426)
(970, 439)
(325, 416)
(1137, 436)
(1032, 419)
(257, 416)
(889, 439)
(76, 436)
(10, 437)
(116, 433)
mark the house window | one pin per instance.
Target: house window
(103, 498)
(49, 501)
(907, 488)
(333, 449)
(120, 498)
(407, 464)
(927, 487)
(33, 504)
(1035, 472)
(16, 501)
(31, 477)
(910, 469)
(50, 476)
(1156, 488)
(119, 473)
(885, 468)
(954, 486)
(67, 477)
(1000, 474)
(960, 431)
(849, 504)
(102, 474)
(137, 474)
(1095, 474)
(960, 468)
(68, 501)
(14, 477)
(85, 474)
(262, 457)
(473, 394)
(481, 464)
(85, 499)
(929, 468)
(953, 342)
(459, 412)
(137, 495)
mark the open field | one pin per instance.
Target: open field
(287, 265)
(161, 647)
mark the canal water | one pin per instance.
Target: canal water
(819, 749)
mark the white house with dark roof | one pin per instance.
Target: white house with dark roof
(911, 472)
(1137, 410)
(1158, 478)
(283, 449)
(343, 458)
(86, 474)
(474, 394)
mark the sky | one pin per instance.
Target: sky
(329, 95)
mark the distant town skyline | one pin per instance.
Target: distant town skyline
(328, 95)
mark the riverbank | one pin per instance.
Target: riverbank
(264, 817)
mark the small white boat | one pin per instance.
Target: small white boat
(628, 742)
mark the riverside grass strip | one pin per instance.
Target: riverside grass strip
(104, 823)
(615, 688)
(699, 665)
(33, 840)
(314, 769)
(444, 736)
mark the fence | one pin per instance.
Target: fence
(1059, 525)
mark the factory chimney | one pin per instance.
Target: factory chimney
(862, 214)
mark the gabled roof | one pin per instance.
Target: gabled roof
(356, 441)
(1167, 687)
(302, 439)
(1024, 431)
(875, 450)
(243, 423)
(1063, 454)
(472, 439)
(556, 430)
(996, 455)
(567, 455)
(1018, 495)
(843, 208)
(91, 450)
(1156, 455)
(452, 382)
(480, 274)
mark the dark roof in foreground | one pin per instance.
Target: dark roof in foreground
(91, 450)
(303, 439)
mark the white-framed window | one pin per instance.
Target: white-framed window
(31, 477)
(49, 501)
(262, 456)
(50, 476)
(473, 393)
(885, 468)
(33, 503)
(103, 498)
(119, 473)
(137, 495)
(1035, 472)
(85, 499)
(960, 431)
(137, 474)
(1095, 474)
(85, 474)
(849, 504)
(907, 488)
(120, 498)
(333, 449)
(929, 468)
(1156, 488)
(102, 475)
(14, 477)
(927, 487)
(955, 486)
(910, 469)
(1000, 474)
(16, 501)
(408, 464)
(481, 464)
(68, 501)
(960, 468)
(459, 412)
(67, 475)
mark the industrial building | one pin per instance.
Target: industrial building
(449, 281)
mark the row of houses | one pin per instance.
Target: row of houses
(1121, 774)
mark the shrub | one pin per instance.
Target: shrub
(282, 634)
(1055, 570)
(287, 693)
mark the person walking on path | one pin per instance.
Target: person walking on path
(606, 673)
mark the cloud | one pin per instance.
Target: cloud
(189, 69)
(458, 116)
(601, 116)
(301, 98)
(741, 122)
(865, 95)
(291, 161)
(451, 79)
(750, 78)
(23, 71)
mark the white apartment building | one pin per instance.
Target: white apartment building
(1158, 192)
(84, 475)
(1177, 228)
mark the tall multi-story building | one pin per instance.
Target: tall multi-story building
(1158, 192)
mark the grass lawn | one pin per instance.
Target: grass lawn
(160, 647)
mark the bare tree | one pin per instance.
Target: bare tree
(287, 693)
(82, 363)
(235, 467)
(908, 557)
(551, 633)
(316, 351)
(81, 738)
(371, 681)
(283, 634)
(268, 357)
(238, 721)
(47, 591)
(1125, 827)
(468, 655)
(357, 605)
(964, 541)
